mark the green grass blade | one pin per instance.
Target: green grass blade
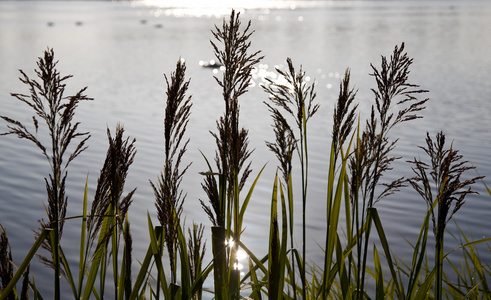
(154, 242)
(379, 278)
(153, 237)
(248, 197)
(383, 240)
(470, 244)
(124, 289)
(185, 266)
(25, 263)
(274, 247)
(259, 262)
(256, 284)
(334, 202)
(35, 291)
(418, 257)
(341, 269)
(142, 274)
(425, 287)
(114, 250)
(283, 244)
(199, 280)
(98, 257)
(82, 262)
(68, 273)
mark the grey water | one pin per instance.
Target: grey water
(121, 50)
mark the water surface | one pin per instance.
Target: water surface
(121, 51)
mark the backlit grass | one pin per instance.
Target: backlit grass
(360, 155)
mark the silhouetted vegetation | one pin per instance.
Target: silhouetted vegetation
(361, 153)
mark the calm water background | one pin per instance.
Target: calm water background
(122, 58)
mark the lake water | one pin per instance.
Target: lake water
(121, 50)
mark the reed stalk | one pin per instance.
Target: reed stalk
(232, 154)
(446, 168)
(373, 148)
(355, 176)
(169, 197)
(46, 98)
(343, 120)
(283, 148)
(295, 98)
(109, 212)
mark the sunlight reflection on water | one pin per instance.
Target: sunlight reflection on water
(217, 8)
(120, 51)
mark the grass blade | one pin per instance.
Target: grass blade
(248, 197)
(383, 239)
(25, 263)
(81, 268)
(98, 257)
(379, 277)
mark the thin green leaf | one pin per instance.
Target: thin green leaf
(98, 257)
(418, 257)
(82, 262)
(248, 197)
(425, 287)
(68, 272)
(142, 274)
(25, 263)
(379, 278)
(383, 240)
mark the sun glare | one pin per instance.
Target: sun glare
(218, 8)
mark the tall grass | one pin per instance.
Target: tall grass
(446, 169)
(231, 47)
(56, 111)
(296, 99)
(360, 155)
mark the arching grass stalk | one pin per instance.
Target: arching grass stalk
(232, 51)
(374, 147)
(295, 98)
(446, 189)
(46, 97)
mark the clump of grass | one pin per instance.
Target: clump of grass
(296, 99)
(473, 273)
(108, 220)
(445, 190)
(232, 50)
(283, 148)
(48, 101)
(372, 154)
(343, 273)
(196, 251)
(169, 199)
(343, 120)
